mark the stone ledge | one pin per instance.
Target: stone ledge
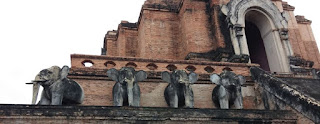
(21, 112)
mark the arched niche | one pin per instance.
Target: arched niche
(110, 64)
(227, 69)
(191, 68)
(131, 64)
(171, 67)
(152, 66)
(273, 27)
(87, 63)
(209, 69)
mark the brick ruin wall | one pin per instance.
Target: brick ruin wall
(171, 30)
(163, 38)
(165, 34)
(98, 87)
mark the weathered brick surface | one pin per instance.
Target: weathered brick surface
(166, 34)
(99, 93)
(195, 28)
(124, 41)
(110, 43)
(301, 37)
(131, 43)
(159, 34)
(310, 44)
(172, 29)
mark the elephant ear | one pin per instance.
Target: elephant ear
(56, 71)
(140, 75)
(166, 76)
(215, 78)
(113, 74)
(241, 79)
(193, 77)
(64, 72)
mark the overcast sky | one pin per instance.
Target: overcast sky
(37, 34)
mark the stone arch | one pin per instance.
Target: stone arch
(238, 8)
(269, 20)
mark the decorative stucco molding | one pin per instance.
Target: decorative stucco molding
(238, 8)
(274, 21)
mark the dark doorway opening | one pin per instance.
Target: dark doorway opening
(256, 47)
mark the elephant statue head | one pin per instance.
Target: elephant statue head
(228, 89)
(57, 88)
(126, 91)
(179, 93)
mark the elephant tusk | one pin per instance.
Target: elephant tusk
(39, 81)
(35, 81)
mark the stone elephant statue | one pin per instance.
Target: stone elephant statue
(126, 91)
(179, 93)
(57, 88)
(228, 90)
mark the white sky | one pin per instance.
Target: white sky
(37, 34)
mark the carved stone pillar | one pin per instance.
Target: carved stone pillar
(239, 40)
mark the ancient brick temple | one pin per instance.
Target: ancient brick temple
(205, 37)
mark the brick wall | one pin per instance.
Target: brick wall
(111, 43)
(310, 44)
(301, 36)
(158, 34)
(124, 41)
(131, 43)
(99, 93)
(195, 27)
(167, 34)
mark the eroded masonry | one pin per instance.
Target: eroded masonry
(188, 61)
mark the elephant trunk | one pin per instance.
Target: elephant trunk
(130, 91)
(36, 87)
(188, 95)
(35, 91)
